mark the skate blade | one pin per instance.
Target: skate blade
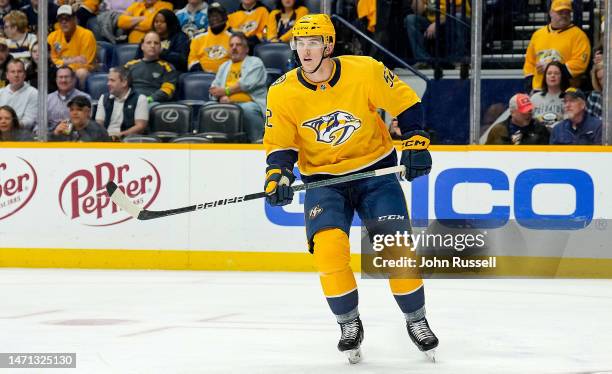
(431, 355)
(353, 355)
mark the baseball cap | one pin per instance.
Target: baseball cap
(520, 102)
(64, 10)
(558, 5)
(216, 7)
(80, 101)
(575, 93)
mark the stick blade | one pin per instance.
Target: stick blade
(119, 198)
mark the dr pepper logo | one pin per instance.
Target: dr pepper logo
(18, 182)
(83, 197)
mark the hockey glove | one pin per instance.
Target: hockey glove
(415, 156)
(278, 185)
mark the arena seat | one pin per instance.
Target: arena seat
(194, 86)
(169, 120)
(124, 53)
(221, 123)
(274, 55)
(97, 85)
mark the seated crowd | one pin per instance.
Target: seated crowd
(172, 39)
(558, 111)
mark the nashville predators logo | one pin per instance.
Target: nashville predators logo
(334, 128)
(216, 52)
(248, 27)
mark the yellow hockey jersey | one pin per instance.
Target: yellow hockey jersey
(570, 46)
(209, 50)
(334, 125)
(250, 22)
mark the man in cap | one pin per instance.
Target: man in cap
(519, 128)
(561, 41)
(209, 50)
(72, 45)
(578, 127)
(80, 127)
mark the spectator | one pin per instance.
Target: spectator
(138, 18)
(20, 95)
(558, 41)
(10, 131)
(209, 50)
(282, 19)
(152, 77)
(5, 58)
(83, 9)
(422, 25)
(174, 42)
(366, 12)
(595, 101)
(128, 112)
(72, 45)
(519, 128)
(19, 40)
(578, 127)
(242, 81)
(5, 8)
(547, 104)
(31, 11)
(80, 127)
(32, 70)
(251, 19)
(57, 101)
(394, 130)
(193, 18)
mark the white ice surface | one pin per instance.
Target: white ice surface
(243, 322)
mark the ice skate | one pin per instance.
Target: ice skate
(350, 341)
(423, 337)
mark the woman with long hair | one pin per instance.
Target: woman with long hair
(9, 127)
(547, 104)
(174, 42)
(282, 19)
(32, 70)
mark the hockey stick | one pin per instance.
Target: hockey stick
(122, 201)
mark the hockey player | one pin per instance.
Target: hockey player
(323, 115)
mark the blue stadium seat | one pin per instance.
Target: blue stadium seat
(96, 85)
(194, 86)
(271, 4)
(229, 5)
(104, 55)
(314, 6)
(124, 53)
(274, 55)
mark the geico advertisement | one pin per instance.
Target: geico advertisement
(55, 198)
